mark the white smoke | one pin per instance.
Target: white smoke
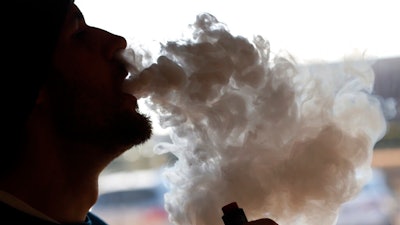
(284, 141)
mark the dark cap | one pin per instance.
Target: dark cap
(29, 32)
(30, 29)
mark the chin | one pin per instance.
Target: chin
(135, 131)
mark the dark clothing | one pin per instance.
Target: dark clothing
(12, 216)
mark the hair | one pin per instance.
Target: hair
(30, 30)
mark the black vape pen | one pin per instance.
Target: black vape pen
(233, 215)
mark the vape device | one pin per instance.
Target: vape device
(233, 215)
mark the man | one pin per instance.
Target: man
(67, 120)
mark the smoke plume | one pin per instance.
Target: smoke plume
(284, 140)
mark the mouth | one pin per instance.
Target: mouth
(130, 100)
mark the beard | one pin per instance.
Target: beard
(124, 130)
(97, 119)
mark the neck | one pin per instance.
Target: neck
(58, 179)
(63, 192)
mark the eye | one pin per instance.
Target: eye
(80, 26)
(79, 33)
(80, 30)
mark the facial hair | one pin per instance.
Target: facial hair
(90, 117)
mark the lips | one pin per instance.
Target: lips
(130, 100)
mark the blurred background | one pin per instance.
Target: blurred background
(131, 188)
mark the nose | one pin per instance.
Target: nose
(113, 44)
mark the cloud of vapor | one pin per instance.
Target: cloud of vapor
(283, 140)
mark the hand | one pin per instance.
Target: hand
(263, 221)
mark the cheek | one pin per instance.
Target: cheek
(74, 61)
(83, 64)
(86, 79)
(89, 77)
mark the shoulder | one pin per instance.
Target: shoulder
(13, 216)
(95, 220)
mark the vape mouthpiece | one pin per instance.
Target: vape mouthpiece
(233, 215)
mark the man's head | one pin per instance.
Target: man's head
(67, 72)
(85, 94)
